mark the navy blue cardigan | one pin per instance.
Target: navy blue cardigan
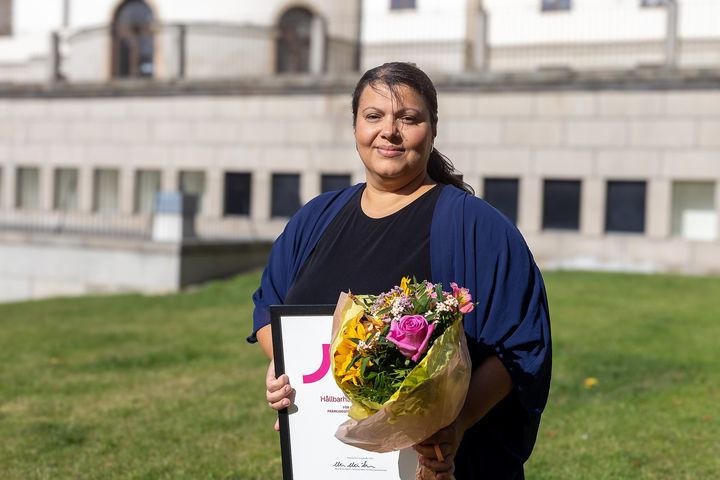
(478, 248)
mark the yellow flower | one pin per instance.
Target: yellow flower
(346, 351)
(590, 382)
(404, 285)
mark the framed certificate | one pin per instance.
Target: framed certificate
(310, 451)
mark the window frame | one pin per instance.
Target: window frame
(285, 193)
(609, 217)
(513, 216)
(400, 5)
(336, 176)
(240, 212)
(120, 33)
(555, 5)
(577, 222)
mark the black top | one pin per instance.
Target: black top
(367, 255)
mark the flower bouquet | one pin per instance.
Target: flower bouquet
(402, 359)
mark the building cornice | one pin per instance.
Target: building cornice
(645, 78)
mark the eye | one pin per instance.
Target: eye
(370, 117)
(408, 119)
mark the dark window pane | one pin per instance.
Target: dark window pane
(237, 193)
(285, 195)
(625, 208)
(399, 4)
(330, 183)
(556, 5)
(133, 40)
(561, 204)
(293, 42)
(6, 15)
(502, 193)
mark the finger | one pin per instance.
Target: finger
(436, 465)
(429, 451)
(446, 475)
(272, 383)
(277, 425)
(277, 395)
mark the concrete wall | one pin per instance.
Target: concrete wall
(39, 265)
(659, 136)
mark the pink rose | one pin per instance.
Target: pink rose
(463, 297)
(411, 335)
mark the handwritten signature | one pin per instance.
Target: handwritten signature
(357, 465)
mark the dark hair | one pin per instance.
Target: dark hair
(395, 74)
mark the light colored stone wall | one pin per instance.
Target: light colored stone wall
(593, 136)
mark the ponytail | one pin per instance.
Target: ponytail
(441, 169)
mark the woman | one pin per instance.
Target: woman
(414, 216)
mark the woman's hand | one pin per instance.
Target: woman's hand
(447, 441)
(279, 393)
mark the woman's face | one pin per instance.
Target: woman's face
(393, 134)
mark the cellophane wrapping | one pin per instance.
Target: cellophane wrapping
(429, 399)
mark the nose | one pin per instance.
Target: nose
(389, 128)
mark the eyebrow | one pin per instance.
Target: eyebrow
(399, 111)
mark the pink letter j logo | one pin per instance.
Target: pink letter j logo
(324, 366)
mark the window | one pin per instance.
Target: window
(693, 210)
(553, 5)
(293, 42)
(65, 191)
(193, 183)
(6, 13)
(285, 195)
(561, 204)
(133, 42)
(401, 4)
(27, 188)
(329, 183)
(106, 191)
(625, 207)
(502, 193)
(237, 193)
(147, 185)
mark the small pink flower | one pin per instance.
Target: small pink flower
(411, 334)
(463, 297)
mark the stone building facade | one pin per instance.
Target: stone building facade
(604, 169)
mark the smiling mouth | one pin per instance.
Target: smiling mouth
(390, 151)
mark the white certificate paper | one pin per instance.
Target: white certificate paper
(310, 451)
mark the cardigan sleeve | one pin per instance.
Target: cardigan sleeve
(276, 277)
(512, 317)
(476, 246)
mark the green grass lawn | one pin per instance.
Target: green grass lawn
(165, 387)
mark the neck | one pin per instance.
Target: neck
(385, 197)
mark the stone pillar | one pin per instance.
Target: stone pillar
(530, 205)
(46, 187)
(127, 191)
(658, 208)
(592, 207)
(309, 185)
(7, 189)
(214, 194)
(318, 45)
(480, 44)
(85, 189)
(260, 196)
(169, 180)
